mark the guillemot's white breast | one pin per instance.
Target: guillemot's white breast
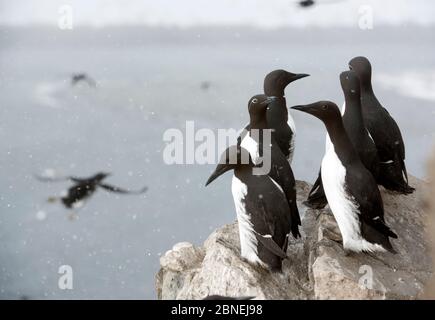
(252, 147)
(343, 206)
(248, 240)
(291, 124)
(247, 233)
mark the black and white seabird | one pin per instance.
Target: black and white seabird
(351, 189)
(262, 210)
(278, 117)
(384, 131)
(280, 170)
(359, 136)
(83, 188)
(265, 203)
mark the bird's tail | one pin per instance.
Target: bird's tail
(391, 249)
(296, 222)
(388, 246)
(295, 219)
(378, 232)
(393, 176)
(317, 198)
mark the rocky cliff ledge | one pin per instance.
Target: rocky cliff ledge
(317, 268)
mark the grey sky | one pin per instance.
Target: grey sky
(185, 13)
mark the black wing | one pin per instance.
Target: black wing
(282, 174)
(115, 189)
(376, 122)
(57, 179)
(270, 215)
(363, 188)
(390, 147)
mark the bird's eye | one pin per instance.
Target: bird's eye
(255, 100)
(324, 107)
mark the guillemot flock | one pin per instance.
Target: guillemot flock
(364, 149)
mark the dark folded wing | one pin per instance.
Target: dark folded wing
(367, 196)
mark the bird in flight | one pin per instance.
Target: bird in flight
(78, 77)
(84, 188)
(311, 3)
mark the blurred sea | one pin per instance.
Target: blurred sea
(149, 80)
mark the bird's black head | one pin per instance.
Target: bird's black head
(362, 67)
(258, 104)
(230, 159)
(101, 175)
(276, 81)
(350, 83)
(326, 111)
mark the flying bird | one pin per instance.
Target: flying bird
(84, 188)
(306, 3)
(82, 77)
(310, 3)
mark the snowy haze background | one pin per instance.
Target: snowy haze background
(149, 59)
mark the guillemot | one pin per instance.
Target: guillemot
(350, 189)
(384, 131)
(358, 134)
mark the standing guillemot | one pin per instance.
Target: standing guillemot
(265, 201)
(278, 117)
(384, 131)
(85, 187)
(355, 128)
(279, 170)
(262, 210)
(350, 189)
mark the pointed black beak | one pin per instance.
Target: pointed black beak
(299, 76)
(301, 108)
(213, 177)
(308, 108)
(220, 170)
